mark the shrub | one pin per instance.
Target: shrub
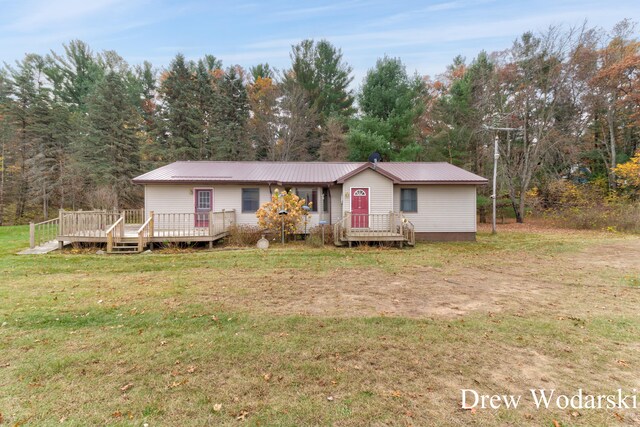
(629, 175)
(314, 238)
(590, 206)
(244, 235)
(270, 219)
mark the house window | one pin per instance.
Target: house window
(325, 200)
(250, 199)
(310, 196)
(409, 199)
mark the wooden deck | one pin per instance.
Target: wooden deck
(130, 231)
(391, 227)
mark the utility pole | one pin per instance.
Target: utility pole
(496, 156)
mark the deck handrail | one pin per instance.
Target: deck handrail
(340, 228)
(408, 230)
(112, 236)
(43, 232)
(145, 233)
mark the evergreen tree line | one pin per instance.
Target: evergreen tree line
(76, 126)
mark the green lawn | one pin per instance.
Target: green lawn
(306, 336)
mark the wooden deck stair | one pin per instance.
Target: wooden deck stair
(126, 247)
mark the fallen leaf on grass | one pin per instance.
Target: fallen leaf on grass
(117, 414)
(178, 383)
(126, 387)
(217, 407)
(622, 362)
(191, 369)
(618, 416)
(242, 416)
(396, 393)
(267, 376)
(556, 424)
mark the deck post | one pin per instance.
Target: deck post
(151, 225)
(60, 222)
(223, 227)
(211, 226)
(392, 222)
(32, 235)
(60, 245)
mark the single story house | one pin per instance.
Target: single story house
(435, 201)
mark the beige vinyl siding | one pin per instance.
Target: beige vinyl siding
(442, 208)
(179, 199)
(336, 203)
(169, 198)
(380, 191)
(230, 197)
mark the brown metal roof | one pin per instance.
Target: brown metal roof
(303, 172)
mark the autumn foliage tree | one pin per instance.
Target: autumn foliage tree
(628, 175)
(269, 217)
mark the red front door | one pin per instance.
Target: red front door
(204, 204)
(359, 207)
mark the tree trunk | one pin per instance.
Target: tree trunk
(482, 211)
(612, 146)
(516, 210)
(520, 214)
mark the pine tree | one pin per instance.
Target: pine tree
(231, 139)
(183, 126)
(112, 147)
(25, 82)
(321, 71)
(74, 74)
(391, 103)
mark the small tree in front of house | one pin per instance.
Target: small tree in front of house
(270, 217)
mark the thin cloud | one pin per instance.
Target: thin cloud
(316, 10)
(40, 14)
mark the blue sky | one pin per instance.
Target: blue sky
(425, 34)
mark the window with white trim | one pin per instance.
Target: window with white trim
(409, 199)
(310, 195)
(250, 199)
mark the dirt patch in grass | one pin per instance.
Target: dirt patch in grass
(565, 283)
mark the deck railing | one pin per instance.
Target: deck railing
(87, 223)
(43, 232)
(133, 216)
(115, 233)
(409, 231)
(370, 226)
(171, 225)
(145, 232)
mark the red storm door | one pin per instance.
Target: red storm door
(204, 202)
(359, 207)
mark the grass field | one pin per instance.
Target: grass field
(305, 336)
